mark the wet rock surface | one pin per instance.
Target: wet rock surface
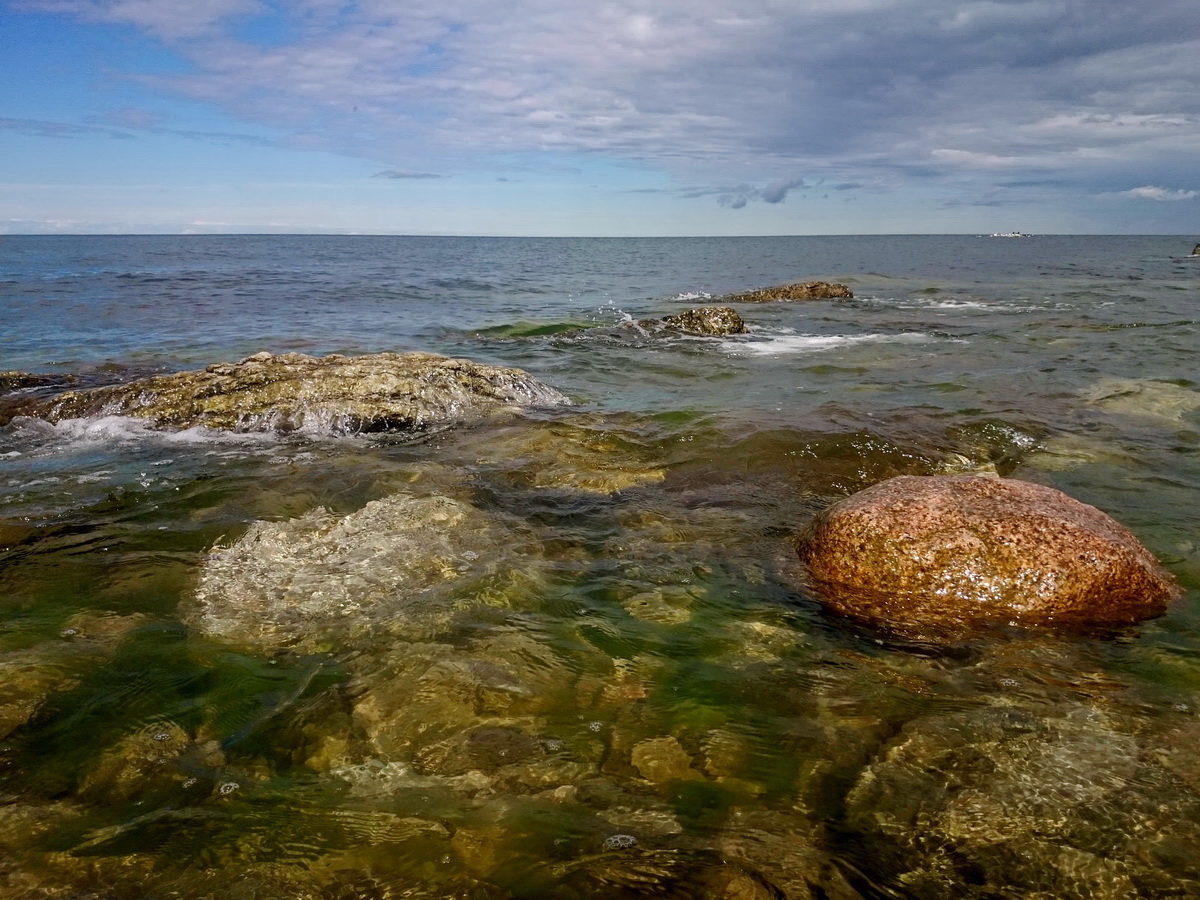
(708, 320)
(939, 555)
(1007, 802)
(805, 290)
(330, 394)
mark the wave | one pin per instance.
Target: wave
(783, 344)
(931, 302)
(29, 436)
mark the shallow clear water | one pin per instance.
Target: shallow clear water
(628, 692)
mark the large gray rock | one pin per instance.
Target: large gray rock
(291, 391)
(940, 554)
(401, 565)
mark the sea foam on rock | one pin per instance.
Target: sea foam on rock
(937, 555)
(292, 391)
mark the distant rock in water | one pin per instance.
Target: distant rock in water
(706, 320)
(806, 290)
(15, 381)
(1196, 250)
(937, 555)
(331, 394)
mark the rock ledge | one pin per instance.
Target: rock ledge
(330, 394)
(805, 290)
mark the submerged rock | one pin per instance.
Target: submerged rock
(402, 564)
(292, 391)
(15, 381)
(629, 872)
(1004, 803)
(1144, 398)
(805, 290)
(585, 453)
(663, 760)
(709, 320)
(936, 555)
(30, 677)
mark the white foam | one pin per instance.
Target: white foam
(39, 438)
(958, 304)
(784, 344)
(690, 296)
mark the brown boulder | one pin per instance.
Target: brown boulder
(805, 290)
(937, 555)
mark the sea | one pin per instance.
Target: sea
(644, 698)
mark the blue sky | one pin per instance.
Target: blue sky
(629, 117)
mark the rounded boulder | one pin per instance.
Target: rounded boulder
(937, 555)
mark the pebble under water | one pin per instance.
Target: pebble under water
(568, 652)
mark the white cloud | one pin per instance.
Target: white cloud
(711, 92)
(1152, 192)
(167, 19)
(397, 174)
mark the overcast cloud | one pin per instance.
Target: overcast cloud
(758, 101)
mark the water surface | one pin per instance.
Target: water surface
(625, 689)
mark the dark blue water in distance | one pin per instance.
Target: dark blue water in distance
(653, 705)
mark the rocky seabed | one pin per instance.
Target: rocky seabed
(475, 706)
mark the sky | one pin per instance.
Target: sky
(610, 117)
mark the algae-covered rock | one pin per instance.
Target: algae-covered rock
(292, 391)
(30, 676)
(446, 710)
(663, 760)
(1005, 803)
(633, 872)
(708, 320)
(780, 847)
(805, 290)
(400, 565)
(143, 760)
(1144, 398)
(579, 453)
(938, 555)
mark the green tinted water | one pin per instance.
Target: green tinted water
(635, 695)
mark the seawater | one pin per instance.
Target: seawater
(655, 704)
